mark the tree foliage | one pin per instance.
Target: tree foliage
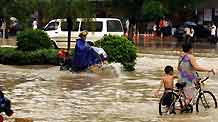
(12, 56)
(31, 40)
(21, 9)
(133, 7)
(47, 9)
(153, 9)
(180, 4)
(159, 8)
(120, 50)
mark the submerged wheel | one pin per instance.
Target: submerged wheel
(187, 109)
(169, 104)
(205, 101)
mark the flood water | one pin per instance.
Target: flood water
(48, 95)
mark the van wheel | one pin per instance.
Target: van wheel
(54, 45)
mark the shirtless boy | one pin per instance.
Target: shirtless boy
(167, 80)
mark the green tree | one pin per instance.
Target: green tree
(4, 6)
(47, 9)
(132, 10)
(175, 5)
(153, 9)
(20, 9)
(176, 8)
(72, 8)
(42, 7)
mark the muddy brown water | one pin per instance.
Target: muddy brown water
(48, 95)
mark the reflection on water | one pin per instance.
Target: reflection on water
(48, 95)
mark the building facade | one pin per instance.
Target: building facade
(207, 12)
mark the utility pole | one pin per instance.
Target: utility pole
(69, 28)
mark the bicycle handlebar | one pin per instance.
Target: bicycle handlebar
(206, 78)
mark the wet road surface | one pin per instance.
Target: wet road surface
(48, 95)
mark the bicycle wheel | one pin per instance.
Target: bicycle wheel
(169, 104)
(205, 101)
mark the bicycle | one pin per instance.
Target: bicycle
(177, 100)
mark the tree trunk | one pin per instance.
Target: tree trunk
(3, 32)
(130, 32)
(132, 22)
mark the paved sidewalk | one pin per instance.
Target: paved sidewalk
(10, 42)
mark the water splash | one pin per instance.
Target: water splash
(109, 70)
(114, 69)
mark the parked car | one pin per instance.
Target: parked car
(97, 28)
(200, 32)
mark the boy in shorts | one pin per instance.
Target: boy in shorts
(167, 80)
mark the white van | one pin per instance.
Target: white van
(97, 28)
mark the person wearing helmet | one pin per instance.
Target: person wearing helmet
(84, 55)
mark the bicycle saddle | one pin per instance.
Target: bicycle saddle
(180, 85)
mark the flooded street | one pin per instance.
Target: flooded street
(48, 95)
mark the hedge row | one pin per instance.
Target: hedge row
(34, 48)
(31, 40)
(12, 56)
(120, 50)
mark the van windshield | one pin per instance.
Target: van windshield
(74, 28)
(92, 26)
(114, 26)
(52, 26)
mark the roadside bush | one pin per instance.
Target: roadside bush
(13, 56)
(120, 50)
(31, 40)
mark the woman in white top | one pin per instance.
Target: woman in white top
(35, 23)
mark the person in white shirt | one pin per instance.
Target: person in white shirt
(127, 26)
(189, 33)
(35, 24)
(192, 32)
(213, 33)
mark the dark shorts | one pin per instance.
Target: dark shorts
(167, 98)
